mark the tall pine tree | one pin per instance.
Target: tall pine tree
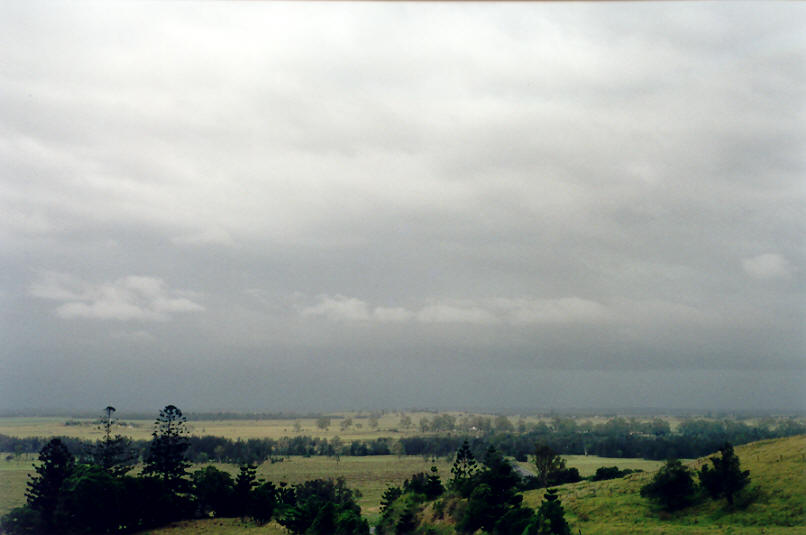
(113, 453)
(463, 469)
(166, 455)
(56, 465)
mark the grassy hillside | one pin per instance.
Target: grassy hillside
(778, 473)
(777, 468)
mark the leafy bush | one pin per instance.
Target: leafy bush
(672, 488)
(726, 478)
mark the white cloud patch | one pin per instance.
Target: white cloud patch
(767, 266)
(134, 298)
(472, 312)
(563, 310)
(456, 313)
(338, 308)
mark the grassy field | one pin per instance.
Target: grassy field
(777, 469)
(361, 428)
(389, 425)
(587, 464)
(370, 475)
(13, 476)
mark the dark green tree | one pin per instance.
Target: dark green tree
(245, 483)
(56, 464)
(90, 501)
(166, 454)
(433, 485)
(113, 453)
(550, 517)
(494, 494)
(263, 502)
(726, 478)
(672, 487)
(391, 494)
(407, 522)
(514, 521)
(463, 469)
(311, 496)
(214, 491)
(546, 461)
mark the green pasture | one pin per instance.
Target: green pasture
(615, 507)
(370, 475)
(587, 464)
(777, 468)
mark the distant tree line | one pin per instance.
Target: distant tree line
(617, 437)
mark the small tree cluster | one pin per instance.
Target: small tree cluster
(322, 507)
(673, 486)
(726, 478)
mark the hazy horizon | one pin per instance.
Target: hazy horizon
(317, 207)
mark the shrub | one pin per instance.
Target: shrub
(672, 488)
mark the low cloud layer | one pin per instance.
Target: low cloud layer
(767, 266)
(402, 204)
(491, 311)
(131, 298)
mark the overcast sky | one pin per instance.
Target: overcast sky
(321, 206)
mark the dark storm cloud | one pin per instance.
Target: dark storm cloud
(355, 197)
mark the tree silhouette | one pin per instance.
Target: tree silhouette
(56, 465)
(672, 487)
(166, 454)
(551, 516)
(726, 478)
(464, 466)
(114, 453)
(546, 461)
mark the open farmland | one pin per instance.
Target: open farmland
(361, 428)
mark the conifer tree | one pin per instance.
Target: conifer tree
(56, 465)
(391, 494)
(113, 453)
(166, 454)
(464, 467)
(433, 484)
(550, 517)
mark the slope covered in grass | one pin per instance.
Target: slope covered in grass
(778, 491)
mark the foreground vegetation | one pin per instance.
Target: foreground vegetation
(615, 507)
(407, 494)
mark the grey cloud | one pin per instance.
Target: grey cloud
(352, 190)
(130, 298)
(767, 266)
